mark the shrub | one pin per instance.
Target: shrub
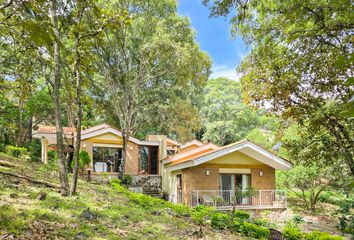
(84, 159)
(2, 147)
(317, 235)
(35, 149)
(263, 223)
(52, 155)
(292, 232)
(15, 151)
(297, 219)
(220, 220)
(127, 179)
(242, 215)
(254, 230)
(202, 213)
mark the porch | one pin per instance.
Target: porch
(242, 199)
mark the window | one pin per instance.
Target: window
(106, 159)
(234, 184)
(148, 160)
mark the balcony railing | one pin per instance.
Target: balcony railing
(246, 199)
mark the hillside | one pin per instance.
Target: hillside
(99, 211)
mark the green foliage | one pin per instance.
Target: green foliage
(292, 232)
(346, 216)
(225, 118)
(10, 219)
(127, 179)
(220, 220)
(317, 235)
(35, 149)
(298, 69)
(84, 159)
(2, 147)
(52, 155)
(200, 214)
(242, 215)
(297, 219)
(253, 230)
(15, 151)
(148, 202)
(303, 179)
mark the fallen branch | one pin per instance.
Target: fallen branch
(6, 164)
(32, 180)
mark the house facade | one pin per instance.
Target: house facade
(193, 173)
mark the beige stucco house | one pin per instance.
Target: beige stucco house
(242, 173)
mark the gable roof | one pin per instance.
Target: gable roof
(92, 132)
(104, 128)
(185, 156)
(245, 146)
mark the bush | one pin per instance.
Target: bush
(317, 235)
(263, 223)
(202, 213)
(35, 150)
(15, 151)
(2, 147)
(242, 215)
(253, 230)
(220, 220)
(52, 155)
(84, 159)
(292, 232)
(127, 179)
(297, 219)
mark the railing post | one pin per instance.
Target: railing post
(197, 197)
(260, 197)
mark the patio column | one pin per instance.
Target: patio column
(44, 156)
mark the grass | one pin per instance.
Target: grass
(119, 214)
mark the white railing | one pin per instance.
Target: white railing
(239, 199)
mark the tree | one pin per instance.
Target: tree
(300, 65)
(307, 183)
(140, 63)
(225, 118)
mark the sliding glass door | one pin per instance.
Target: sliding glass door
(234, 186)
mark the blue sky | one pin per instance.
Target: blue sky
(213, 36)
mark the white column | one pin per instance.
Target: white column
(44, 156)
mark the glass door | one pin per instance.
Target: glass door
(243, 182)
(227, 184)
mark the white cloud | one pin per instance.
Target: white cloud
(225, 71)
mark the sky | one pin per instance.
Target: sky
(213, 36)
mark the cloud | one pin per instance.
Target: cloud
(225, 71)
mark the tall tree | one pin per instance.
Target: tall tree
(225, 117)
(301, 62)
(140, 62)
(56, 83)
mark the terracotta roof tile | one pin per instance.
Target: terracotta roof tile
(52, 129)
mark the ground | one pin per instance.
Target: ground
(99, 211)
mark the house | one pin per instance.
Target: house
(241, 174)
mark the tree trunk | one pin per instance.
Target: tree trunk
(78, 117)
(30, 125)
(124, 155)
(64, 184)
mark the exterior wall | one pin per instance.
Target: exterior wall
(132, 161)
(195, 178)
